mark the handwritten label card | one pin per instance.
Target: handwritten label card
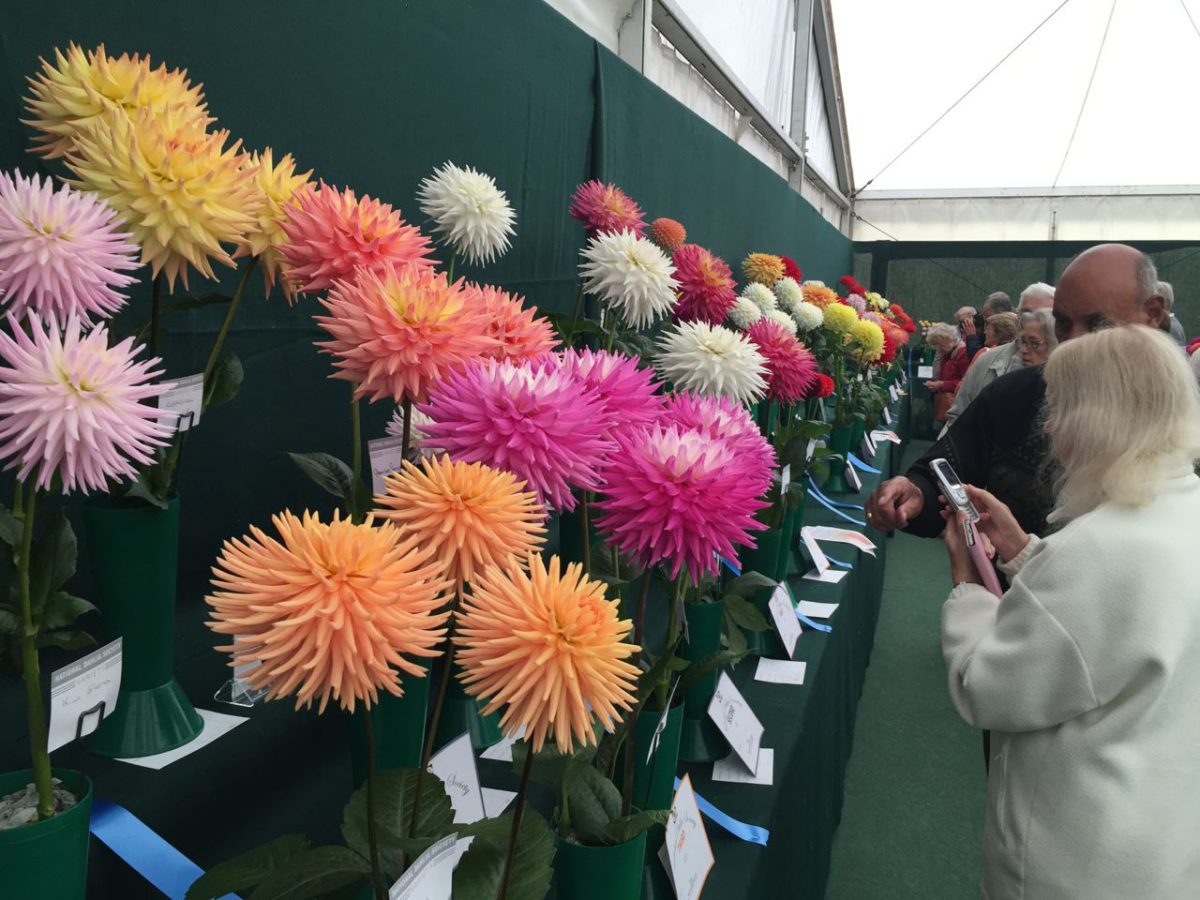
(784, 615)
(780, 671)
(689, 854)
(186, 400)
(731, 769)
(454, 764)
(77, 689)
(386, 457)
(820, 560)
(431, 876)
(736, 721)
(812, 610)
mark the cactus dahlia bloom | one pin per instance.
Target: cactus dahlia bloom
(723, 419)
(631, 275)
(605, 208)
(277, 186)
(706, 287)
(469, 211)
(711, 359)
(791, 368)
(517, 334)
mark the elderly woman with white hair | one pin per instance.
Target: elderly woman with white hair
(954, 363)
(1088, 668)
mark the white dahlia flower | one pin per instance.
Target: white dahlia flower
(711, 359)
(469, 211)
(808, 316)
(782, 319)
(760, 295)
(745, 313)
(788, 293)
(631, 275)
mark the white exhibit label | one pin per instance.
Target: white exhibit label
(780, 671)
(841, 536)
(924, 371)
(783, 613)
(454, 764)
(736, 720)
(431, 876)
(814, 550)
(689, 854)
(386, 456)
(852, 477)
(811, 610)
(186, 400)
(829, 576)
(77, 691)
(785, 478)
(731, 769)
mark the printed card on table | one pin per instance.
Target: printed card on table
(785, 478)
(829, 576)
(689, 854)
(887, 416)
(883, 434)
(841, 536)
(731, 769)
(820, 560)
(186, 400)
(736, 721)
(386, 456)
(77, 691)
(454, 764)
(811, 610)
(780, 671)
(783, 613)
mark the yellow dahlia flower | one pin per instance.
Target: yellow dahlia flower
(764, 268)
(67, 96)
(277, 187)
(866, 341)
(840, 318)
(180, 191)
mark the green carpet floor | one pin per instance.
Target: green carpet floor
(912, 823)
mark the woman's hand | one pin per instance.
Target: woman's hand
(962, 567)
(998, 524)
(933, 385)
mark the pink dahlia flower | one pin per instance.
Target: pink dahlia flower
(398, 331)
(723, 418)
(62, 253)
(792, 369)
(628, 395)
(706, 286)
(72, 406)
(858, 302)
(676, 497)
(330, 234)
(533, 420)
(605, 208)
(516, 333)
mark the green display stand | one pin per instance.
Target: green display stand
(793, 562)
(461, 712)
(600, 873)
(134, 550)
(841, 440)
(47, 860)
(399, 725)
(700, 740)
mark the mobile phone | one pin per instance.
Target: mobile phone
(956, 494)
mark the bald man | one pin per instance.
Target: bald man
(997, 443)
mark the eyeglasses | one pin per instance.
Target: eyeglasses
(1031, 343)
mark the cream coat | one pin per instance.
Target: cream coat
(1088, 673)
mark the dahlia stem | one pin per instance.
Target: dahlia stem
(155, 315)
(211, 365)
(356, 514)
(450, 267)
(610, 335)
(518, 816)
(406, 440)
(435, 719)
(584, 532)
(639, 630)
(378, 887)
(35, 712)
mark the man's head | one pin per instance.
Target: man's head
(1038, 295)
(1106, 285)
(997, 302)
(964, 312)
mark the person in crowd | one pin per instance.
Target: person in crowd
(997, 302)
(1000, 361)
(945, 339)
(1172, 325)
(1086, 670)
(972, 323)
(1037, 340)
(1001, 329)
(997, 442)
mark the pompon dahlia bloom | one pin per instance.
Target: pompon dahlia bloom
(516, 332)
(744, 313)
(791, 368)
(72, 406)
(627, 394)
(876, 300)
(807, 317)
(469, 210)
(533, 420)
(277, 186)
(782, 319)
(866, 341)
(551, 648)
(668, 234)
(761, 296)
(822, 387)
(706, 286)
(62, 253)
(840, 319)
(818, 294)
(330, 234)
(397, 332)
(857, 302)
(80, 87)
(329, 611)
(788, 293)
(791, 269)
(724, 419)
(677, 497)
(763, 268)
(179, 189)
(711, 359)
(470, 515)
(629, 274)
(605, 208)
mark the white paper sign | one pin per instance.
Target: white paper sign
(661, 727)
(924, 371)
(785, 478)
(881, 434)
(780, 671)
(867, 447)
(77, 689)
(820, 560)
(431, 876)
(736, 720)
(812, 446)
(731, 769)
(887, 416)
(386, 455)
(852, 477)
(784, 615)
(502, 751)
(689, 855)
(829, 576)
(186, 400)
(811, 610)
(495, 801)
(454, 764)
(215, 725)
(841, 536)
(893, 393)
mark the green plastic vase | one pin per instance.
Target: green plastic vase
(700, 740)
(768, 558)
(462, 712)
(47, 860)
(841, 440)
(654, 782)
(793, 562)
(134, 552)
(399, 725)
(600, 873)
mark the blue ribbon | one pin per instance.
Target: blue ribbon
(862, 466)
(752, 834)
(732, 567)
(833, 507)
(838, 562)
(817, 491)
(811, 624)
(144, 850)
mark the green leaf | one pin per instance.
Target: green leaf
(10, 621)
(248, 870)
(66, 640)
(394, 793)
(745, 613)
(478, 874)
(11, 528)
(551, 767)
(62, 609)
(226, 380)
(594, 802)
(327, 472)
(314, 873)
(748, 584)
(628, 827)
(53, 562)
(702, 667)
(735, 638)
(149, 486)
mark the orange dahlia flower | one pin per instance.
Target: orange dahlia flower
(470, 515)
(550, 647)
(818, 294)
(669, 234)
(398, 331)
(764, 268)
(277, 186)
(328, 610)
(518, 335)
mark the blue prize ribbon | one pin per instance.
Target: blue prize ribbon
(862, 466)
(731, 566)
(838, 562)
(811, 624)
(144, 850)
(752, 834)
(817, 491)
(829, 505)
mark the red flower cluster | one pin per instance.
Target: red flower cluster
(901, 318)
(791, 268)
(889, 349)
(822, 387)
(850, 283)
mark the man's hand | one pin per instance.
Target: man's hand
(894, 503)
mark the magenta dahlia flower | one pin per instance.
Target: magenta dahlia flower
(72, 406)
(532, 419)
(62, 253)
(723, 418)
(791, 367)
(628, 395)
(606, 209)
(706, 286)
(677, 497)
